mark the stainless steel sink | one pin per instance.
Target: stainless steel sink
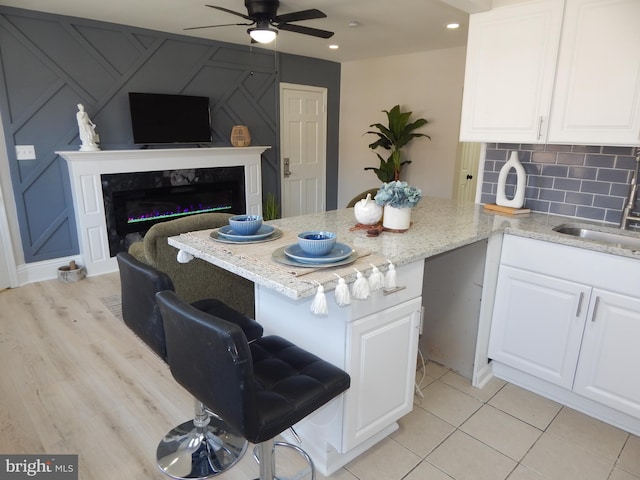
(612, 238)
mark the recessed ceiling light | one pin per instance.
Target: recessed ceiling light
(334, 47)
(452, 26)
(354, 23)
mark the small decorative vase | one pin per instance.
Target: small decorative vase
(240, 136)
(396, 218)
(518, 198)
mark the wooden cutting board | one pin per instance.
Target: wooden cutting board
(508, 210)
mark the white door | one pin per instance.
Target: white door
(467, 178)
(303, 138)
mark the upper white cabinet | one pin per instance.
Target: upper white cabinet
(511, 57)
(596, 96)
(540, 73)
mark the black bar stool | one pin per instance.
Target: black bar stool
(260, 388)
(212, 445)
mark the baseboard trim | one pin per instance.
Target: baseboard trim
(42, 271)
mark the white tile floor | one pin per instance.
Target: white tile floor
(500, 432)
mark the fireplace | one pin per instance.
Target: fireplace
(87, 169)
(134, 202)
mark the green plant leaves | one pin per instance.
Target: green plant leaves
(398, 133)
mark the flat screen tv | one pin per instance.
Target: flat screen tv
(158, 118)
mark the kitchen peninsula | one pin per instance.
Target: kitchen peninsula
(375, 340)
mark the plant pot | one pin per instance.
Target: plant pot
(396, 218)
(71, 273)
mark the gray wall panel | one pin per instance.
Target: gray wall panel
(50, 63)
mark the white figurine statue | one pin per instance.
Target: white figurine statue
(87, 130)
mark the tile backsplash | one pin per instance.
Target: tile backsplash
(590, 182)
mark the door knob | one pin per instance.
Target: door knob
(469, 177)
(287, 172)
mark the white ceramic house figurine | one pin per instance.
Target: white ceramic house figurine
(87, 130)
(518, 198)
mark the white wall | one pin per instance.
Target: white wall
(427, 83)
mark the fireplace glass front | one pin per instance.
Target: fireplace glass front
(136, 201)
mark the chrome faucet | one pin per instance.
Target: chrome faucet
(627, 214)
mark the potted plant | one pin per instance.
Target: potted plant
(394, 136)
(397, 198)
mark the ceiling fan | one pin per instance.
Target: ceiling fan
(264, 15)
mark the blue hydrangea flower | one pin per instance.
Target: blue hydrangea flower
(398, 194)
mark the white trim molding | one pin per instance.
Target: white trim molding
(85, 169)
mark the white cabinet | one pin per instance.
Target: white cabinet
(608, 367)
(596, 97)
(381, 359)
(538, 323)
(566, 324)
(511, 57)
(535, 75)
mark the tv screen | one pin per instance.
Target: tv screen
(160, 118)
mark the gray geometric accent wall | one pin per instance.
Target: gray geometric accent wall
(50, 63)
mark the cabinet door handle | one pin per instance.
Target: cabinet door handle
(540, 127)
(386, 292)
(595, 309)
(579, 309)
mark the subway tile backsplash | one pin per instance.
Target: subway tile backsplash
(582, 181)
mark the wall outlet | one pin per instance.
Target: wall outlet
(25, 152)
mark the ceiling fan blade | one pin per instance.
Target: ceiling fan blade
(220, 25)
(314, 32)
(299, 16)
(222, 9)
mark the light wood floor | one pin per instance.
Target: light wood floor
(75, 380)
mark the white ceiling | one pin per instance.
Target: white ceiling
(386, 27)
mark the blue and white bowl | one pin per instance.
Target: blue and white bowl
(245, 224)
(317, 243)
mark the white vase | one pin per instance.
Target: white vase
(518, 198)
(396, 218)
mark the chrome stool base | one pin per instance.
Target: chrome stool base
(198, 452)
(266, 449)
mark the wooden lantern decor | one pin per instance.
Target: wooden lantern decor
(240, 136)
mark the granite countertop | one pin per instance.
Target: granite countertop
(438, 225)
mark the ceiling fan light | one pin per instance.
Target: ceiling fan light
(263, 35)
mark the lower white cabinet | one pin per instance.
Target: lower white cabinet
(537, 324)
(608, 367)
(557, 331)
(381, 359)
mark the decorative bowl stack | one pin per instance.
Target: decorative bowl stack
(246, 229)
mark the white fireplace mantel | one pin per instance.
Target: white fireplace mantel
(85, 169)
